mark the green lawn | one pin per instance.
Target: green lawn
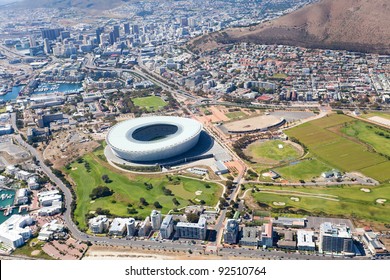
(368, 133)
(353, 203)
(31, 246)
(150, 103)
(323, 140)
(236, 115)
(269, 150)
(303, 170)
(128, 189)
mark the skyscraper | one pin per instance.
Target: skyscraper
(99, 32)
(126, 27)
(116, 32)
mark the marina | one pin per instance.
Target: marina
(13, 94)
(6, 204)
(65, 88)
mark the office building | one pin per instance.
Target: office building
(305, 240)
(135, 29)
(166, 228)
(230, 235)
(335, 239)
(116, 32)
(155, 217)
(126, 27)
(51, 34)
(99, 32)
(192, 230)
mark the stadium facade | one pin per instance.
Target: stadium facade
(148, 139)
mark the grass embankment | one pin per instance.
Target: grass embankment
(129, 189)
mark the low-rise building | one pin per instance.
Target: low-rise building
(21, 196)
(49, 230)
(118, 226)
(98, 224)
(15, 231)
(288, 241)
(306, 240)
(53, 209)
(376, 247)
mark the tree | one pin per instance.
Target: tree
(143, 201)
(157, 205)
(100, 191)
(192, 218)
(106, 179)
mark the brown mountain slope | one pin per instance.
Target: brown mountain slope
(358, 25)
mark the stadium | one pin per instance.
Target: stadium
(154, 138)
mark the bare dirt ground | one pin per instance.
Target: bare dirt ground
(67, 146)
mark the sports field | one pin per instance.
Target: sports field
(235, 115)
(346, 201)
(269, 151)
(345, 152)
(150, 103)
(129, 188)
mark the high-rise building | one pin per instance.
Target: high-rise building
(166, 228)
(192, 230)
(64, 35)
(130, 226)
(155, 217)
(99, 32)
(32, 41)
(46, 46)
(230, 235)
(126, 27)
(335, 239)
(135, 29)
(51, 34)
(184, 21)
(116, 32)
(112, 38)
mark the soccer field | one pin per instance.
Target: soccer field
(150, 103)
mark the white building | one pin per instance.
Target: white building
(49, 229)
(155, 217)
(305, 240)
(32, 183)
(192, 230)
(51, 210)
(166, 228)
(118, 226)
(49, 200)
(21, 196)
(22, 175)
(11, 170)
(131, 227)
(145, 227)
(15, 231)
(98, 224)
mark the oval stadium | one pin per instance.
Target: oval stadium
(154, 138)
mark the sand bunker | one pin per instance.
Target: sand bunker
(278, 203)
(92, 201)
(295, 198)
(198, 192)
(381, 200)
(35, 253)
(365, 190)
(74, 168)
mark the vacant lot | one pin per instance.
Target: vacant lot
(150, 103)
(129, 189)
(346, 201)
(346, 152)
(303, 170)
